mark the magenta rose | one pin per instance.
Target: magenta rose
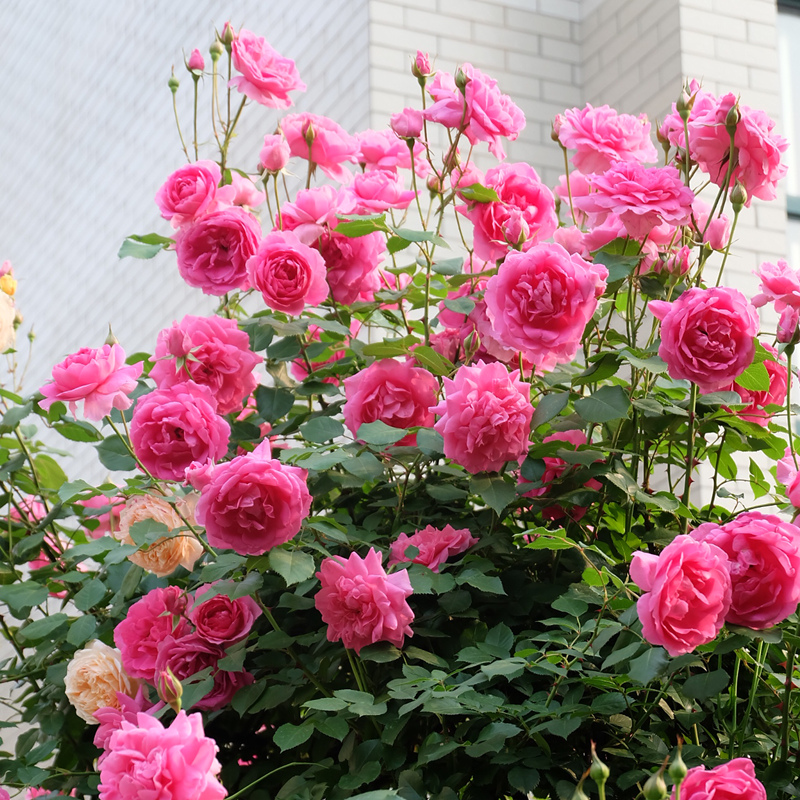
(96, 376)
(758, 401)
(320, 140)
(383, 150)
(687, 594)
(159, 614)
(780, 284)
(393, 392)
(145, 759)
(312, 214)
(734, 780)
(213, 252)
(352, 265)
(266, 76)
(485, 417)
(642, 197)
(764, 555)
(253, 503)
(361, 604)
(289, 274)
(435, 546)
(601, 136)
(187, 655)
(221, 620)
(375, 191)
(524, 214)
(196, 61)
(539, 302)
(212, 352)
(707, 336)
(174, 427)
(110, 718)
(191, 192)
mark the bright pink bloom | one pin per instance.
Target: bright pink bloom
(780, 284)
(175, 427)
(539, 302)
(361, 604)
(422, 64)
(320, 140)
(146, 759)
(213, 252)
(212, 352)
(253, 503)
(435, 546)
(245, 192)
(482, 111)
(375, 191)
(601, 136)
(788, 325)
(687, 594)
(159, 614)
(707, 336)
(312, 214)
(289, 274)
(764, 555)
(524, 215)
(579, 186)
(735, 780)
(396, 393)
(717, 233)
(788, 475)
(196, 60)
(383, 150)
(485, 417)
(97, 376)
(643, 197)
(407, 123)
(111, 718)
(274, 155)
(267, 77)
(757, 402)
(352, 265)
(191, 192)
(220, 619)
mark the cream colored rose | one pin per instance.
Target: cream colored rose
(7, 315)
(94, 676)
(163, 556)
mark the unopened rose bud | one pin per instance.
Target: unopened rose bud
(788, 332)
(555, 132)
(732, 119)
(173, 83)
(275, 154)
(677, 769)
(170, 689)
(111, 339)
(421, 66)
(598, 772)
(6, 268)
(462, 79)
(309, 134)
(216, 50)
(579, 794)
(738, 197)
(655, 788)
(196, 61)
(685, 104)
(8, 284)
(434, 184)
(407, 124)
(228, 34)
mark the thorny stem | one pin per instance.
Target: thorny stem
(229, 133)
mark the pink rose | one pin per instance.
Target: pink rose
(435, 546)
(196, 61)
(149, 621)
(219, 619)
(396, 393)
(375, 191)
(352, 265)
(707, 336)
(642, 197)
(764, 555)
(174, 427)
(187, 655)
(485, 417)
(735, 780)
(422, 64)
(757, 402)
(361, 604)
(687, 594)
(383, 150)
(253, 503)
(579, 186)
(97, 376)
(787, 474)
(111, 717)
(267, 77)
(524, 215)
(213, 252)
(780, 284)
(407, 123)
(274, 155)
(540, 301)
(245, 192)
(191, 192)
(320, 140)
(212, 352)
(289, 274)
(717, 232)
(145, 759)
(601, 136)
(788, 326)
(312, 214)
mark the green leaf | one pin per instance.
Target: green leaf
(293, 566)
(705, 685)
(326, 704)
(478, 193)
(21, 597)
(68, 491)
(146, 246)
(430, 442)
(648, 666)
(15, 415)
(273, 403)
(379, 433)
(486, 583)
(606, 404)
(321, 429)
(90, 595)
(433, 361)
(394, 244)
(449, 266)
(390, 348)
(619, 267)
(496, 492)
(355, 226)
(114, 455)
(755, 378)
(435, 747)
(380, 653)
(197, 687)
(420, 236)
(42, 628)
(607, 704)
(492, 738)
(549, 407)
(652, 364)
(445, 492)
(289, 736)
(335, 727)
(81, 630)
(49, 471)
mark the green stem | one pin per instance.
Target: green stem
(264, 777)
(277, 201)
(356, 671)
(229, 133)
(752, 694)
(728, 247)
(196, 155)
(178, 123)
(687, 482)
(789, 352)
(569, 187)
